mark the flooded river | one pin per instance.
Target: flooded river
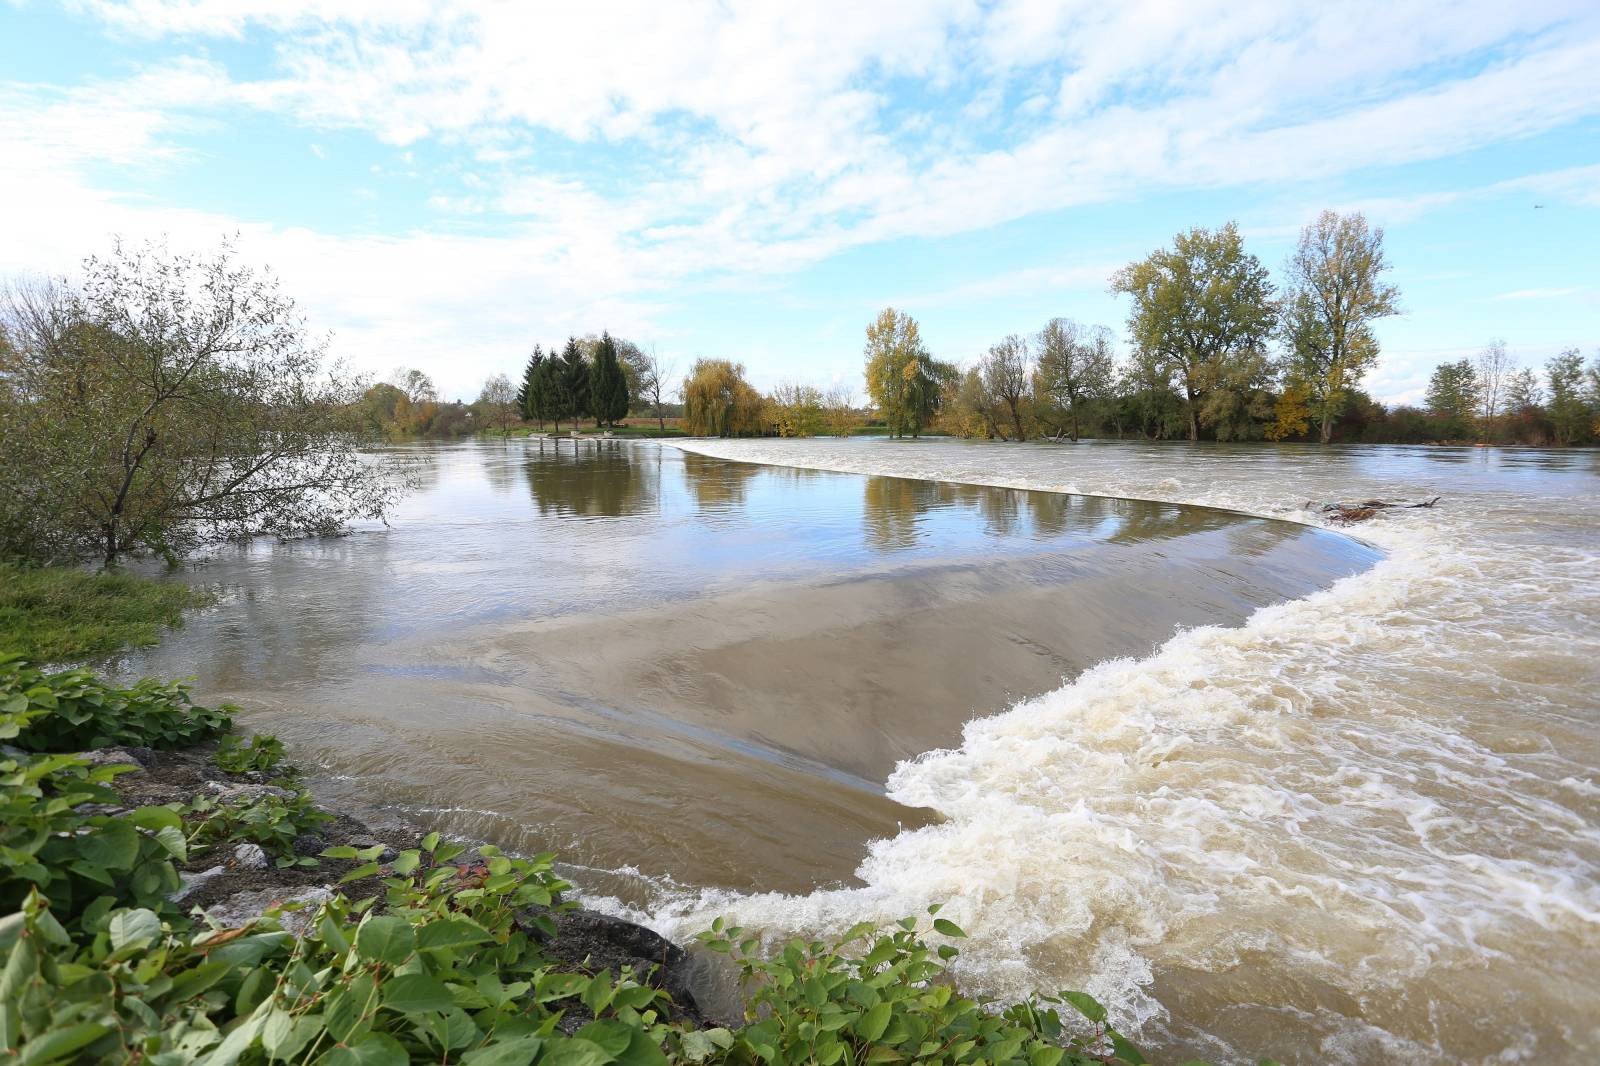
(1265, 788)
(1363, 827)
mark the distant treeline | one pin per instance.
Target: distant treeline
(1218, 351)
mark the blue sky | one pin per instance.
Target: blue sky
(441, 185)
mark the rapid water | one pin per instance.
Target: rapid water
(1362, 827)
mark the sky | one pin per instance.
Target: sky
(443, 185)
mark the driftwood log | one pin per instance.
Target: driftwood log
(1346, 513)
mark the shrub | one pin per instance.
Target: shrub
(74, 711)
(264, 752)
(270, 821)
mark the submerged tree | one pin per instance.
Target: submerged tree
(1006, 372)
(1333, 295)
(497, 402)
(1075, 369)
(1453, 396)
(1197, 306)
(166, 400)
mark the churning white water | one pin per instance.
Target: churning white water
(1363, 827)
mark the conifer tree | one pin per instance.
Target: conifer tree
(608, 386)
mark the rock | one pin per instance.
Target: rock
(189, 884)
(233, 793)
(242, 908)
(114, 756)
(248, 856)
(309, 844)
(598, 941)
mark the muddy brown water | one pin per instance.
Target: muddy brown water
(681, 670)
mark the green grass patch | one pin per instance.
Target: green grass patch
(58, 613)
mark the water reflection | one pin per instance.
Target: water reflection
(590, 479)
(719, 486)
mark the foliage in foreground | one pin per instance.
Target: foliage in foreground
(51, 614)
(447, 964)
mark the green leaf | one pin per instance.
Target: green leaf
(875, 1021)
(113, 846)
(450, 933)
(1086, 1005)
(172, 839)
(416, 993)
(518, 1051)
(341, 851)
(1045, 1055)
(132, 927)
(153, 818)
(641, 1051)
(59, 1043)
(947, 927)
(385, 938)
(1124, 1050)
(370, 1049)
(574, 1052)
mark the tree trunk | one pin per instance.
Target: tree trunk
(1327, 429)
(1016, 421)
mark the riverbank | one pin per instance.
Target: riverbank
(64, 613)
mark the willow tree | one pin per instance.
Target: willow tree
(1333, 295)
(719, 402)
(1197, 307)
(167, 400)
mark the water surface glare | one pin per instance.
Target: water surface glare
(700, 670)
(1363, 827)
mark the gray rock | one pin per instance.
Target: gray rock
(189, 884)
(242, 908)
(235, 793)
(309, 844)
(115, 756)
(248, 856)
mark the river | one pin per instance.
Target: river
(1362, 827)
(1138, 724)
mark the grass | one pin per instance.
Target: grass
(57, 613)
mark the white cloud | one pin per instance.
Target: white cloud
(763, 138)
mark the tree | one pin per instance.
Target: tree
(533, 401)
(718, 402)
(168, 400)
(794, 410)
(571, 380)
(608, 387)
(903, 380)
(655, 376)
(1453, 397)
(1333, 295)
(1523, 392)
(1198, 305)
(1569, 414)
(1494, 366)
(1291, 413)
(839, 411)
(1075, 367)
(1006, 371)
(498, 402)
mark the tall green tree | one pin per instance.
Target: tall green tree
(572, 382)
(531, 402)
(719, 402)
(1569, 414)
(1453, 397)
(1333, 295)
(608, 387)
(1075, 368)
(1197, 306)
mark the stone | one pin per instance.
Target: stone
(113, 756)
(189, 884)
(309, 844)
(249, 856)
(234, 793)
(242, 908)
(598, 941)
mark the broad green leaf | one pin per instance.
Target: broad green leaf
(369, 1049)
(574, 1052)
(518, 1051)
(385, 938)
(875, 1021)
(450, 933)
(416, 993)
(1086, 1005)
(947, 927)
(153, 818)
(133, 926)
